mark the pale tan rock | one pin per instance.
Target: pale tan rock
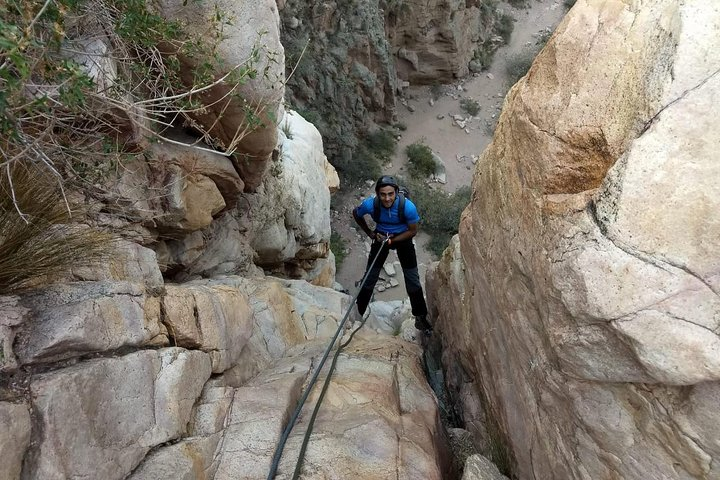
(12, 315)
(225, 250)
(587, 272)
(202, 200)
(478, 467)
(70, 320)
(253, 26)
(197, 157)
(196, 456)
(216, 319)
(289, 217)
(15, 429)
(401, 441)
(189, 459)
(323, 272)
(376, 421)
(99, 418)
(129, 262)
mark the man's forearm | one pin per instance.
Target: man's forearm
(401, 237)
(363, 224)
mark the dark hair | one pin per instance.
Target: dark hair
(386, 180)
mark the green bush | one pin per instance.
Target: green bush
(488, 8)
(439, 241)
(505, 26)
(354, 170)
(439, 212)
(382, 144)
(366, 159)
(470, 106)
(518, 3)
(338, 247)
(310, 115)
(436, 91)
(519, 64)
(420, 158)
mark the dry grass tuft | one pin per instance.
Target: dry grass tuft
(37, 236)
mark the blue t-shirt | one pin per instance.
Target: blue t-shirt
(389, 216)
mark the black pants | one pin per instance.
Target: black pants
(408, 261)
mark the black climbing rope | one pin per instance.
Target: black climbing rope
(291, 423)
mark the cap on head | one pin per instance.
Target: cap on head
(386, 180)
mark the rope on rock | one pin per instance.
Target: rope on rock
(291, 423)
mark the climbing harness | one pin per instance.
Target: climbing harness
(291, 423)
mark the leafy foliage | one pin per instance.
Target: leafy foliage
(382, 144)
(82, 84)
(505, 26)
(339, 248)
(470, 106)
(519, 64)
(439, 212)
(420, 159)
(367, 159)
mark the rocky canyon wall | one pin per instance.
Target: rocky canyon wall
(584, 317)
(177, 357)
(350, 60)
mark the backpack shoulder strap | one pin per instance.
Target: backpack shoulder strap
(376, 210)
(401, 208)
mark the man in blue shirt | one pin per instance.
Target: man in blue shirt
(398, 228)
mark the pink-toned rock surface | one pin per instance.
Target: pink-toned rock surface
(586, 280)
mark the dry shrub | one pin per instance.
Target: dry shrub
(37, 236)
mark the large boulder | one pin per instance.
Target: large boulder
(288, 217)
(99, 418)
(129, 262)
(378, 420)
(215, 319)
(248, 37)
(71, 320)
(196, 158)
(12, 315)
(590, 267)
(15, 429)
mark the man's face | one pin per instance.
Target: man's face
(387, 195)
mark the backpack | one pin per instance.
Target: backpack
(402, 193)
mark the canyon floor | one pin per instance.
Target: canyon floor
(428, 118)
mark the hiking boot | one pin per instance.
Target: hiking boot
(422, 324)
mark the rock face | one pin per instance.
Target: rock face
(353, 57)
(345, 79)
(249, 38)
(433, 41)
(14, 438)
(209, 227)
(588, 268)
(156, 413)
(100, 418)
